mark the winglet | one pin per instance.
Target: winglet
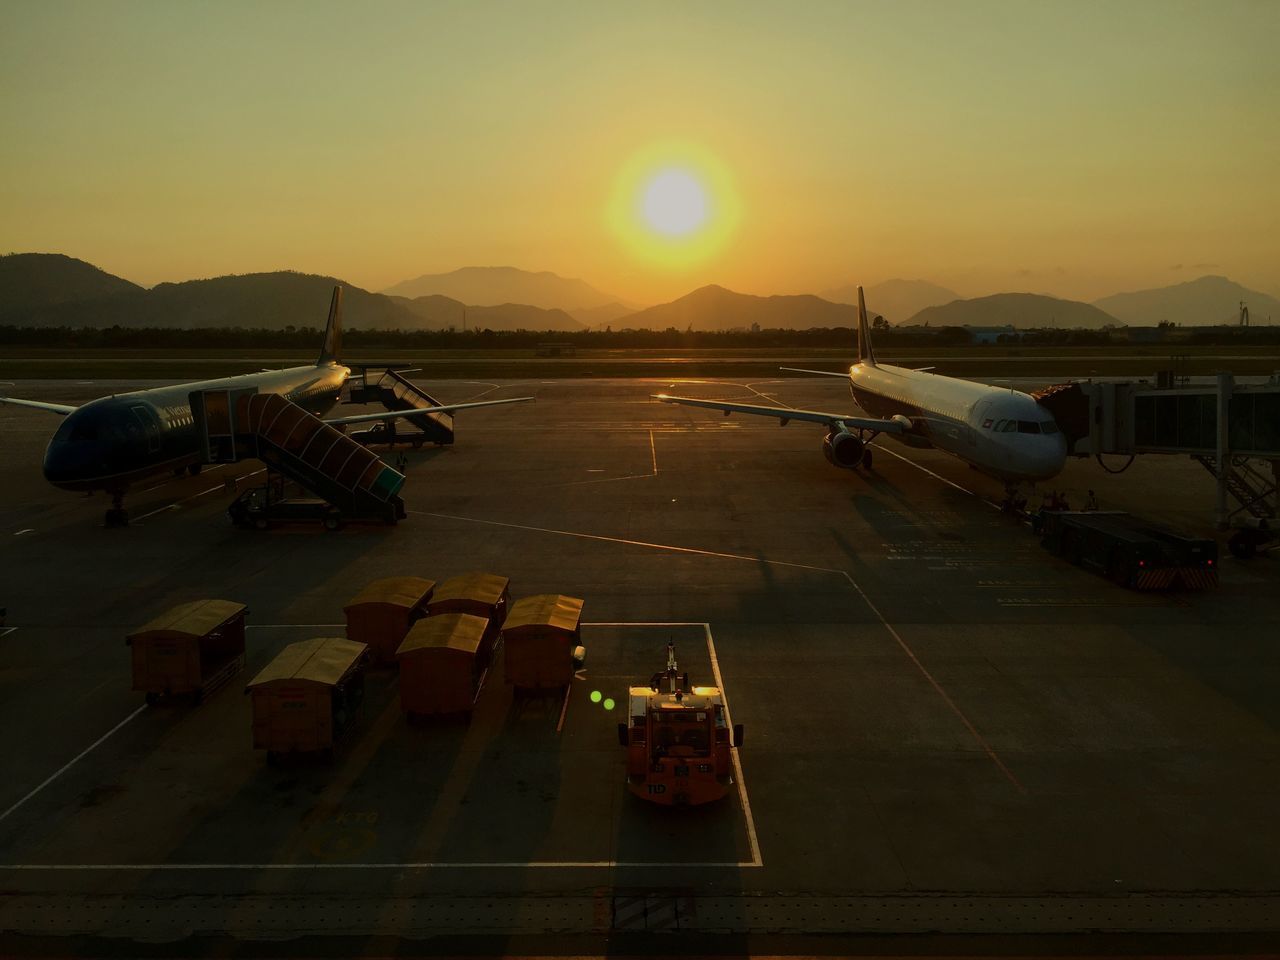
(865, 353)
(332, 331)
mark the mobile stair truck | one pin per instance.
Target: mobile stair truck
(678, 740)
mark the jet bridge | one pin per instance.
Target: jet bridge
(243, 424)
(1232, 429)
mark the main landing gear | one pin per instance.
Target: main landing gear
(117, 516)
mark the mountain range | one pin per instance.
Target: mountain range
(895, 300)
(1015, 310)
(55, 290)
(1206, 300)
(495, 286)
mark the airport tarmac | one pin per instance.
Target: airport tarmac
(947, 730)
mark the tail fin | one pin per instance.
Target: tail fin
(865, 353)
(333, 330)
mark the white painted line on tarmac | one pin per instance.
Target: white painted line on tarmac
(752, 839)
(5, 631)
(654, 451)
(946, 697)
(624, 542)
(74, 760)
(973, 731)
(194, 496)
(27, 530)
(883, 449)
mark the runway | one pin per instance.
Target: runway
(948, 730)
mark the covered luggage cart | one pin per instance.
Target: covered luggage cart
(190, 650)
(440, 667)
(485, 595)
(381, 614)
(541, 642)
(308, 696)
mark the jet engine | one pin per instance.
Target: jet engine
(842, 449)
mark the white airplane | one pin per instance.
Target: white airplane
(1003, 433)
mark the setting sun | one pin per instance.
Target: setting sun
(674, 205)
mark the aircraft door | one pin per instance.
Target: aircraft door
(149, 425)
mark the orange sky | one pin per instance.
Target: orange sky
(1073, 149)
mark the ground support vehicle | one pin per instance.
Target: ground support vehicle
(1127, 550)
(678, 740)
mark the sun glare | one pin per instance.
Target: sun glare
(674, 205)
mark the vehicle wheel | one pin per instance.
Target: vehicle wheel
(332, 522)
(866, 460)
(194, 469)
(152, 699)
(260, 523)
(417, 444)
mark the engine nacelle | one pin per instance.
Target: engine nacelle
(843, 449)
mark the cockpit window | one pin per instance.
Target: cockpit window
(1008, 426)
(1048, 426)
(85, 429)
(1028, 426)
(76, 430)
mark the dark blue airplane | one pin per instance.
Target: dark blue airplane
(115, 442)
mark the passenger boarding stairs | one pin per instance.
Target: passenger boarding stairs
(1246, 483)
(396, 392)
(242, 424)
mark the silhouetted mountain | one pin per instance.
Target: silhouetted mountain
(603, 315)
(493, 286)
(895, 300)
(715, 308)
(264, 300)
(31, 280)
(437, 312)
(1208, 300)
(1014, 309)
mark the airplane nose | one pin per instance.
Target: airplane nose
(68, 464)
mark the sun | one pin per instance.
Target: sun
(674, 205)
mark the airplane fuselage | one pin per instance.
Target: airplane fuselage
(114, 442)
(1004, 433)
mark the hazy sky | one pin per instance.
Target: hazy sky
(1070, 148)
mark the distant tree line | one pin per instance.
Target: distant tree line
(308, 338)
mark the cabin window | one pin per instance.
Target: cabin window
(1028, 426)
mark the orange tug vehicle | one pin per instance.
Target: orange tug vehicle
(678, 740)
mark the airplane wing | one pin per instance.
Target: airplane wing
(821, 373)
(443, 408)
(61, 409)
(897, 424)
